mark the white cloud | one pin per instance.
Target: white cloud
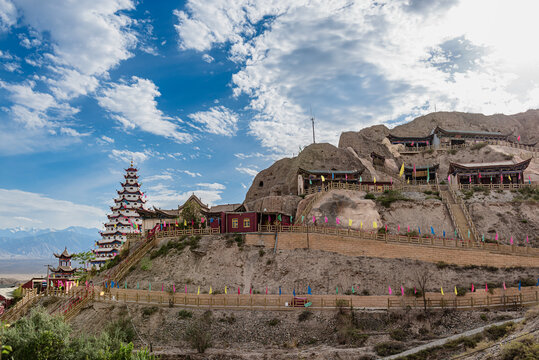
(213, 186)
(248, 171)
(192, 174)
(27, 209)
(107, 139)
(218, 120)
(35, 109)
(207, 58)
(71, 83)
(90, 36)
(72, 132)
(12, 66)
(133, 105)
(158, 177)
(126, 156)
(361, 63)
(163, 197)
(8, 15)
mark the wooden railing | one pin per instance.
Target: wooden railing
(21, 307)
(442, 147)
(511, 297)
(372, 188)
(403, 239)
(447, 203)
(494, 186)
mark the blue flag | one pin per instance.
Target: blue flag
(294, 292)
(418, 228)
(432, 231)
(519, 286)
(211, 220)
(444, 233)
(537, 282)
(118, 284)
(111, 284)
(106, 284)
(279, 291)
(309, 290)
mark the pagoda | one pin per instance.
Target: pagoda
(64, 274)
(124, 219)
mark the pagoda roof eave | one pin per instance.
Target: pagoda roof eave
(410, 138)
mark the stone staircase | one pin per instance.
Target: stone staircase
(459, 214)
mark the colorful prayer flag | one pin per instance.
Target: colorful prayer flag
(511, 240)
(486, 287)
(325, 219)
(504, 286)
(456, 293)
(198, 291)
(323, 179)
(389, 289)
(374, 177)
(338, 221)
(402, 290)
(226, 290)
(519, 285)
(401, 170)
(442, 290)
(472, 288)
(211, 291)
(374, 225)
(349, 222)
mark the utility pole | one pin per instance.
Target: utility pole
(312, 120)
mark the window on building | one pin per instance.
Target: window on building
(235, 223)
(246, 223)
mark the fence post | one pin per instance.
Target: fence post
(520, 295)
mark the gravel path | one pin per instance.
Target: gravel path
(440, 342)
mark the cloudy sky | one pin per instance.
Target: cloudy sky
(203, 94)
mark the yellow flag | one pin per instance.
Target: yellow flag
(198, 291)
(184, 222)
(361, 225)
(210, 290)
(323, 179)
(442, 290)
(349, 222)
(225, 290)
(401, 172)
(509, 177)
(456, 293)
(408, 181)
(374, 225)
(375, 179)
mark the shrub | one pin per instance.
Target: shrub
(240, 241)
(261, 252)
(150, 310)
(274, 322)
(525, 348)
(185, 314)
(269, 262)
(442, 265)
(527, 281)
(370, 196)
(388, 348)
(398, 334)
(146, 264)
(390, 196)
(198, 335)
(483, 317)
(365, 292)
(495, 332)
(461, 291)
(121, 329)
(453, 151)
(478, 146)
(305, 315)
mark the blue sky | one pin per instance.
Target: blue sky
(203, 94)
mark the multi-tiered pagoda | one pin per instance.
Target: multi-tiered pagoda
(123, 220)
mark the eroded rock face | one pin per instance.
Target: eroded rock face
(281, 178)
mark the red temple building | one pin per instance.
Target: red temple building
(124, 219)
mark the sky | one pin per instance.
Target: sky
(203, 94)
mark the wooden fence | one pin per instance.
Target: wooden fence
(511, 297)
(403, 239)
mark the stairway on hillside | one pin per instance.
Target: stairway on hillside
(459, 217)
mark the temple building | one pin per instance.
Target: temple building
(420, 173)
(64, 274)
(316, 178)
(459, 137)
(411, 142)
(124, 219)
(500, 172)
(378, 160)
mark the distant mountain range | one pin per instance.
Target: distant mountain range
(41, 243)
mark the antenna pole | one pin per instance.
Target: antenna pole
(314, 139)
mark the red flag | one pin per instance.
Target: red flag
(250, 290)
(518, 138)
(238, 290)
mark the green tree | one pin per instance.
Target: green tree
(191, 213)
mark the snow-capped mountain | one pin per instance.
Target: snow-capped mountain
(41, 243)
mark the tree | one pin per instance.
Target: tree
(422, 278)
(84, 257)
(191, 213)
